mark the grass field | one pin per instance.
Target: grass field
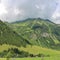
(54, 55)
(32, 49)
(45, 58)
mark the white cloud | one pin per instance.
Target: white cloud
(56, 14)
(12, 10)
(18, 11)
(2, 9)
(37, 6)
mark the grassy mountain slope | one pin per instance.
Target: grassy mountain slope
(7, 36)
(39, 32)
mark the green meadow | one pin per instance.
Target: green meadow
(53, 54)
(45, 58)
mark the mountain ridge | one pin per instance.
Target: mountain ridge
(39, 32)
(8, 36)
(32, 19)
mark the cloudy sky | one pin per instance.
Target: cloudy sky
(13, 10)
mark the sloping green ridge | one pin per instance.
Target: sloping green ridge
(8, 36)
(39, 32)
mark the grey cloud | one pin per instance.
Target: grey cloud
(29, 8)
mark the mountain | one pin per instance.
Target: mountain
(8, 36)
(37, 31)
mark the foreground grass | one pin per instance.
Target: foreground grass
(45, 58)
(32, 49)
(37, 49)
(54, 55)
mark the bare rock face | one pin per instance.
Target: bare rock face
(45, 34)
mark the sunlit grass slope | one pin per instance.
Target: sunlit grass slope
(33, 50)
(39, 32)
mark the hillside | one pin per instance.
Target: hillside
(39, 32)
(8, 36)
